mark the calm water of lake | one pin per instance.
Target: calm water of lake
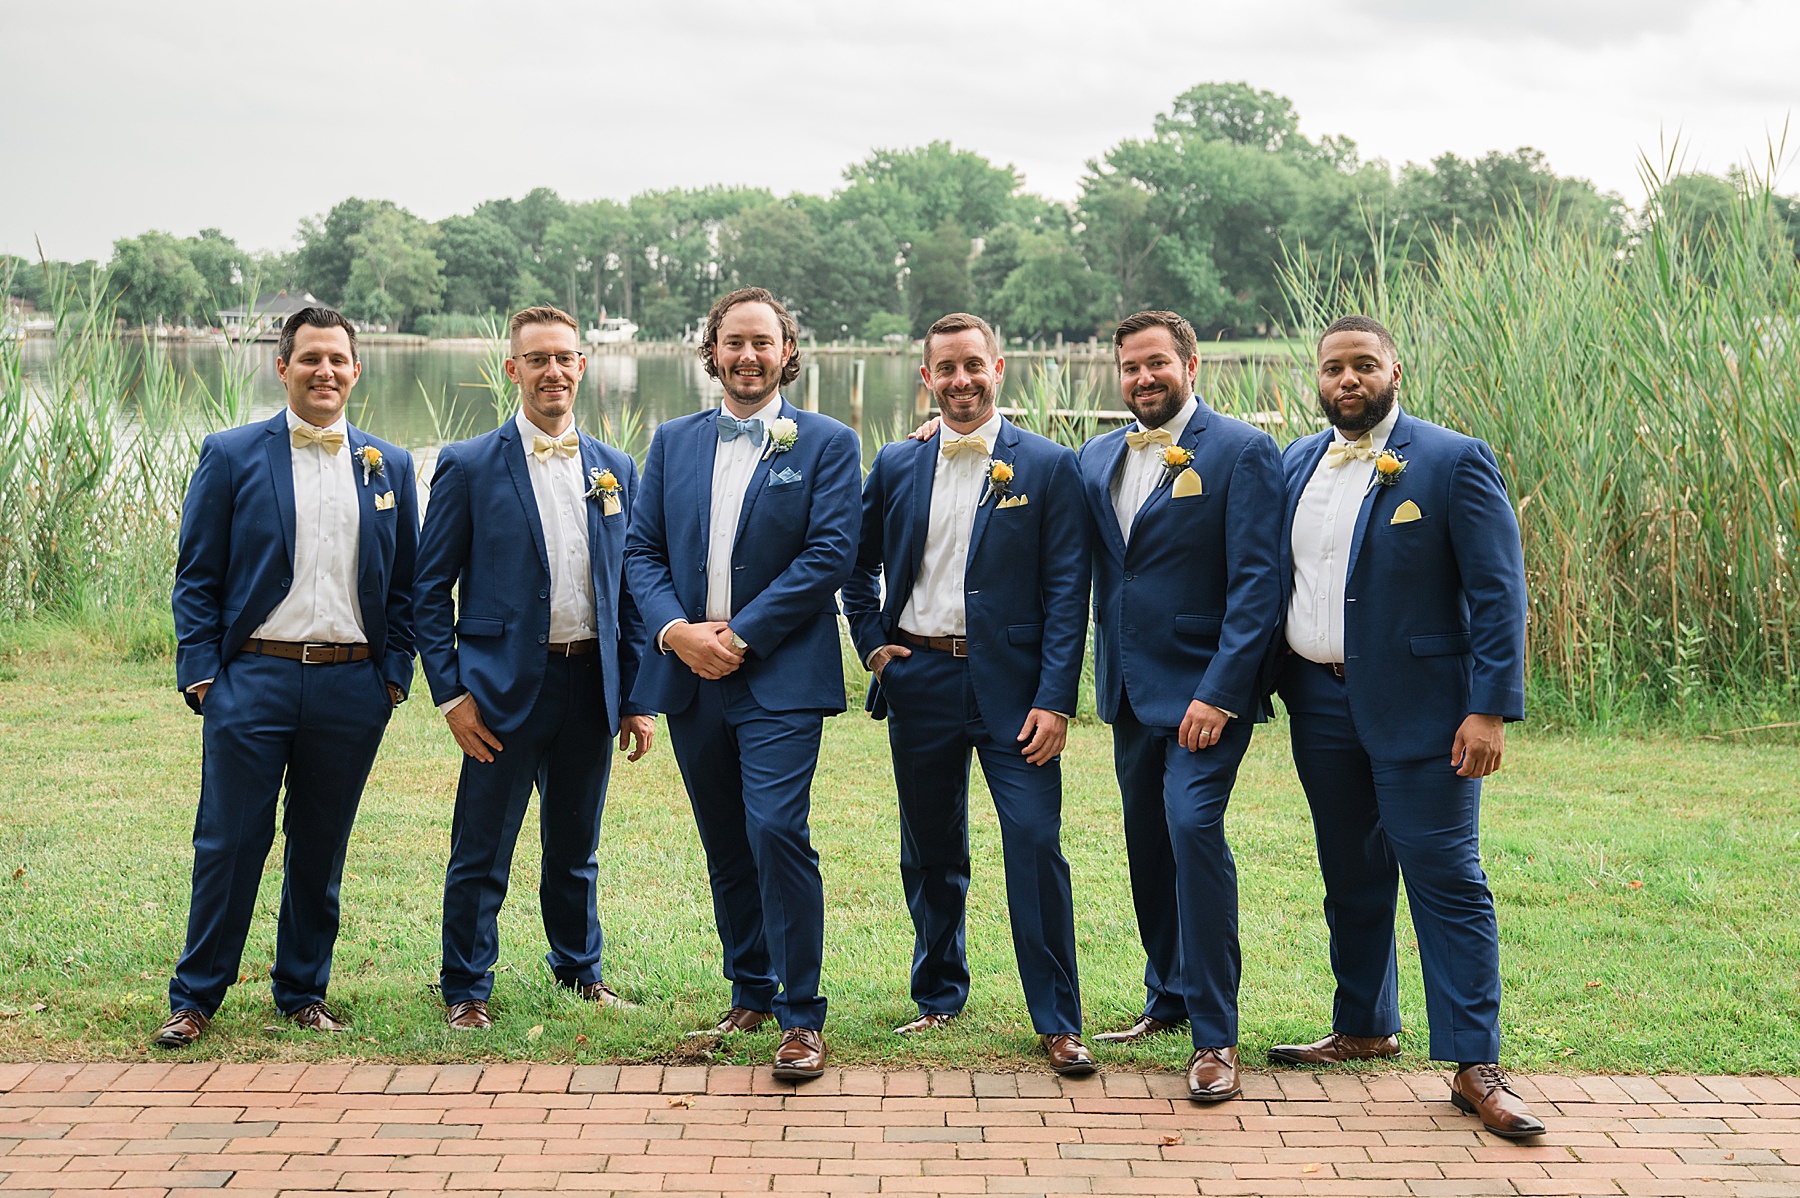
(401, 383)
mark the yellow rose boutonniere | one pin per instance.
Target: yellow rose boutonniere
(602, 484)
(1175, 460)
(1389, 466)
(372, 465)
(999, 481)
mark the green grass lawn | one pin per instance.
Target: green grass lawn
(1646, 891)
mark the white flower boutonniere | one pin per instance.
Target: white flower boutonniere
(372, 465)
(783, 433)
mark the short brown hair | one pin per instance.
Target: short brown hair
(1186, 343)
(542, 314)
(961, 322)
(318, 318)
(1361, 324)
(790, 328)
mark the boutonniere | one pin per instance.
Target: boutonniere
(999, 481)
(1175, 459)
(604, 486)
(782, 435)
(373, 466)
(1389, 466)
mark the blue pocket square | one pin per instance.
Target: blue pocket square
(778, 477)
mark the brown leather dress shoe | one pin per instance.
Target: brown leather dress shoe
(931, 1021)
(738, 1019)
(317, 1017)
(1068, 1055)
(603, 995)
(1335, 1050)
(1212, 1075)
(801, 1056)
(1483, 1090)
(181, 1029)
(1143, 1029)
(470, 1016)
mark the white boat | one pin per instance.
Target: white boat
(612, 330)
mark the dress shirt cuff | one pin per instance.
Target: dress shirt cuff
(1230, 715)
(195, 689)
(445, 706)
(664, 631)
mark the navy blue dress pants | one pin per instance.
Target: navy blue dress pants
(749, 776)
(1376, 822)
(268, 720)
(934, 723)
(564, 748)
(1183, 877)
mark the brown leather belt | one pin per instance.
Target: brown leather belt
(573, 648)
(955, 646)
(308, 654)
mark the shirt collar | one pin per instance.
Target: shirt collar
(989, 432)
(1379, 434)
(769, 411)
(528, 430)
(1178, 425)
(340, 425)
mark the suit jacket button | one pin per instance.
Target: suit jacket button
(543, 638)
(284, 582)
(544, 594)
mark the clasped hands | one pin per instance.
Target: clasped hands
(705, 648)
(1045, 732)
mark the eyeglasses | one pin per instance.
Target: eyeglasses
(566, 360)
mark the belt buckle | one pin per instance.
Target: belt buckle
(959, 646)
(307, 659)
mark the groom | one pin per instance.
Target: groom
(745, 528)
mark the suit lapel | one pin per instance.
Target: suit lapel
(1401, 435)
(512, 449)
(1006, 449)
(590, 462)
(703, 453)
(758, 477)
(924, 477)
(280, 450)
(1190, 440)
(356, 439)
(1112, 458)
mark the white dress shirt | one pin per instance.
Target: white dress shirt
(733, 464)
(935, 607)
(321, 606)
(1143, 468)
(1324, 528)
(560, 488)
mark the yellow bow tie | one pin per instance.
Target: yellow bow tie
(1156, 436)
(1341, 451)
(566, 445)
(330, 440)
(975, 445)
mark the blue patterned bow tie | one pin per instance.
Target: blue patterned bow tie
(731, 428)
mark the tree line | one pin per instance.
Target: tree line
(1200, 215)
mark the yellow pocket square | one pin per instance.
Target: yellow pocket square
(1186, 483)
(1015, 501)
(384, 502)
(1406, 513)
(610, 506)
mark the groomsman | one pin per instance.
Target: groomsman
(1186, 597)
(1405, 654)
(982, 538)
(532, 663)
(293, 624)
(744, 531)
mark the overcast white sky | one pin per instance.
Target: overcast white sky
(116, 117)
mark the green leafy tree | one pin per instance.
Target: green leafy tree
(938, 278)
(325, 255)
(882, 325)
(913, 192)
(482, 259)
(156, 280)
(224, 267)
(589, 252)
(775, 246)
(1051, 290)
(394, 271)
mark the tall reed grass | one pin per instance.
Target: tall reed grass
(1645, 407)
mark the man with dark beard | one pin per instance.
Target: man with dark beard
(1186, 598)
(1405, 648)
(982, 539)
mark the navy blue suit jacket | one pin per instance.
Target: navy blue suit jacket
(483, 536)
(1185, 611)
(235, 560)
(795, 544)
(1434, 608)
(1026, 587)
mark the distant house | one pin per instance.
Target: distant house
(263, 318)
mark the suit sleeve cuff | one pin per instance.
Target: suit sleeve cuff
(195, 688)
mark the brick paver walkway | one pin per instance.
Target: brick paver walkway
(180, 1131)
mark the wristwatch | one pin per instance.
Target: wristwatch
(738, 642)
